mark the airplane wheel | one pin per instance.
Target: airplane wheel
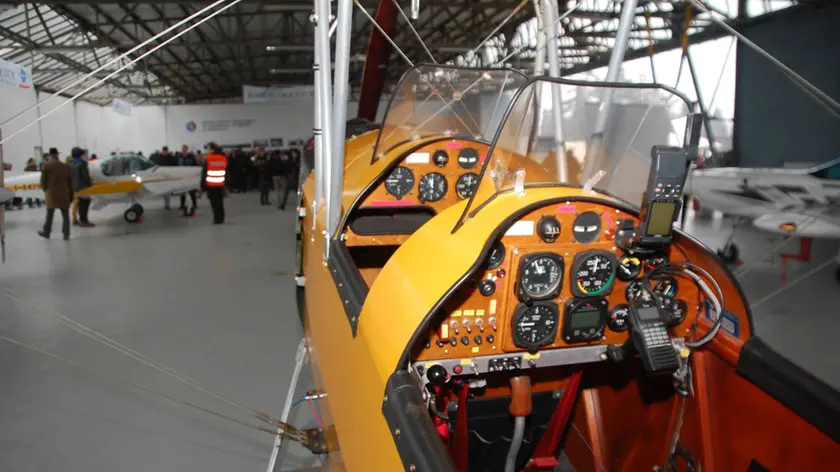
(133, 214)
(729, 254)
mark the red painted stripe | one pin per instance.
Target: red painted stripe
(393, 203)
(378, 57)
(454, 145)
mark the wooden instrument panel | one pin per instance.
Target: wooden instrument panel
(468, 311)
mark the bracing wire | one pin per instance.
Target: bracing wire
(120, 69)
(414, 30)
(105, 340)
(112, 61)
(497, 28)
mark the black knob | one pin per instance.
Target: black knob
(465, 340)
(477, 339)
(490, 338)
(453, 342)
(436, 375)
(487, 287)
(439, 343)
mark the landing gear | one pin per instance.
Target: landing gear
(729, 253)
(133, 214)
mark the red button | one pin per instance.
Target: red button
(501, 273)
(457, 369)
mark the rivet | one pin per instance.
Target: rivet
(397, 432)
(412, 468)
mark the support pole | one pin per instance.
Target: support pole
(322, 50)
(317, 131)
(550, 14)
(706, 120)
(595, 149)
(344, 19)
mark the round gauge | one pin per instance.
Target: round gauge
(666, 287)
(654, 264)
(400, 182)
(629, 268)
(440, 158)
(466, 185)
(468, 158)
(677, 312)
(497, 255)
(584, 319)
(548, 229)
(636, 291)
(587, 227)
(594, 273)
(432, 187)
(540, 276)
(535, 326)
(618, 320)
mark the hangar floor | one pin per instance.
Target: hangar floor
(215, 304)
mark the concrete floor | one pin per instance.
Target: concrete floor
(216, 304)
(213, 302)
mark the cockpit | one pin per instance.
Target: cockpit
(124, 164)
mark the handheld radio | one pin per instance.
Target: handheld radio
(650, 335)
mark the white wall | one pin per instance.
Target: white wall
(21, 147)
(58, 127)
(89, 118)
(142, 131)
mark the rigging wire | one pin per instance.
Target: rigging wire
(101, 338)
(140, 387)
(116, 59)
(413, 30)
(822, 98)
(786, 287)
(496, 30)
(120, 69)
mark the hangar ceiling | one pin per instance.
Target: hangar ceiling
(271, 42)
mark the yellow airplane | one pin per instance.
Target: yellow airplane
(121, 178)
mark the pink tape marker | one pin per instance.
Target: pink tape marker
(393, 203)
(609, 220)
(566, 209)
(454, 145)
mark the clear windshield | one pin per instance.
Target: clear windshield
(450, 101)
(589, 134)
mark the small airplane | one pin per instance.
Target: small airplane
(121, 178)
(796, 202)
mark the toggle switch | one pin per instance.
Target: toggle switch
(467, 326)
(480, 323)
(454, 325)
(492, 322)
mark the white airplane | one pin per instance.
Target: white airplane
(797, 202)
(122, 178)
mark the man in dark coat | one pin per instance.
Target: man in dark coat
(81, 181)
(57, 183)
(264, 178)
(292, 171)
(186, 158)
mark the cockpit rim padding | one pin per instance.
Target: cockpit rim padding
(348, 280)
(791, 385)
(372, 184)
(403, 221)
(485, 252)
(418, 442)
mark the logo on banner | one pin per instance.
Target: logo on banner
(191, 126)
(23, 78)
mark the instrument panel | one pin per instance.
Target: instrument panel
(555, 279)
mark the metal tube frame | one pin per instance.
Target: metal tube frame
(706, 120)
(317, 132)
(622, 36)
(322, 54)
(344, 21)
(550, 13)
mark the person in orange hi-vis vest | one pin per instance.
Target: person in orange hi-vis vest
(213, 175)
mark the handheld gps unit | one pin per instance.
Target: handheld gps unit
(662, 199)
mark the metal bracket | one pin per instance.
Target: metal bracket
(300, 281)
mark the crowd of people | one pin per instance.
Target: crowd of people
(257, 170)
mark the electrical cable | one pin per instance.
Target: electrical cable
(314, 414)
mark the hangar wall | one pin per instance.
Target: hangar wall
(776, 122)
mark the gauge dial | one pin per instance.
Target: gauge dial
(466, 185)
(676, 312)
(540, 276)
(535, 326)
(432, 187)
(468, 158)
(629, 268)
(654, 264)
(497, 255)
(618, 320)
(587, 227)
(635, 291)
(548, 229)
(584, 319)
(666, 287)
(400, 182)
(440, 158)
(594, 273)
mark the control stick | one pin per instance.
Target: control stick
(520, 408)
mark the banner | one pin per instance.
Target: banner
(13, 75)
(252, 94)
(121, 107)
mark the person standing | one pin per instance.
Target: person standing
(81, 181)
(263, 176)
(57, 183)
(166, 159)
(213, 175)
(292, 171)
(188, 159)
(277, 169)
